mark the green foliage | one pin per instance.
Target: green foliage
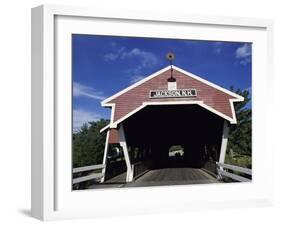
(240, 134)
(88, 144)
(239, 160)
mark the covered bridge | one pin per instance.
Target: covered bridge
(171, 108)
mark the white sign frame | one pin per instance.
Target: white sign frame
(189, 95)
(51, 196)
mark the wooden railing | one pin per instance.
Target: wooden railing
(91, 176)
(223, 173)
(141, 167)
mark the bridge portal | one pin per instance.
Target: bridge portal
(163, 123)
(155, 129)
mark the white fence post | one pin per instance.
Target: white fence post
(224, 141)
(91, 176)
(222, 172)
(123, 144)
(105, 156)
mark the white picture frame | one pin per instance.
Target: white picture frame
(52, 197)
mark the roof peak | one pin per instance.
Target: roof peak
(235, 96)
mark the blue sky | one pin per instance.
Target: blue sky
(104, 65)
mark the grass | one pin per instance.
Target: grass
(244, 161)
(239, 160)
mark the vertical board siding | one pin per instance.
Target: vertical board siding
(132, 99)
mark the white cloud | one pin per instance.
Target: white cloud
(243, 53)
(147, 58)
(144, 59)
(110, 57)
(218, 47)
(82, 90)
(245, 60)
(218, 50)
(136, 78)
(81, 117)
(114, 55)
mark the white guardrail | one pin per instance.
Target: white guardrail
(222, 172)
(90, 176)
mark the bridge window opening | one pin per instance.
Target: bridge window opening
(116, 164)
(176, 151)
(115, 152)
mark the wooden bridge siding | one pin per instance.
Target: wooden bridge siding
(134, 98)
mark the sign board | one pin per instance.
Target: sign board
(172, 85)
(173, 93)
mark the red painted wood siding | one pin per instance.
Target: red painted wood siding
(132, 99)
(113, 136)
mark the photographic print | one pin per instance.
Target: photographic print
(156, 111)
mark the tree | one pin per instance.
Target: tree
(240, 134)
(88, 144)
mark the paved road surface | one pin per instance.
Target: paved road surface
(166, 176)
(173, 176)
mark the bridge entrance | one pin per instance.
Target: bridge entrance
(167, 138)
(193, 133)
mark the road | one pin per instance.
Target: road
(173, 176)
(165, 176)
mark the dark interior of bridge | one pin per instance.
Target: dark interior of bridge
(151, 132)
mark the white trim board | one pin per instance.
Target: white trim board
(113, 125)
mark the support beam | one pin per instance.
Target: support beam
(224, 141)
(105, 156)
(123, 144)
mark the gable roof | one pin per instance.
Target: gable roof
(235, 95)
(222, 93)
